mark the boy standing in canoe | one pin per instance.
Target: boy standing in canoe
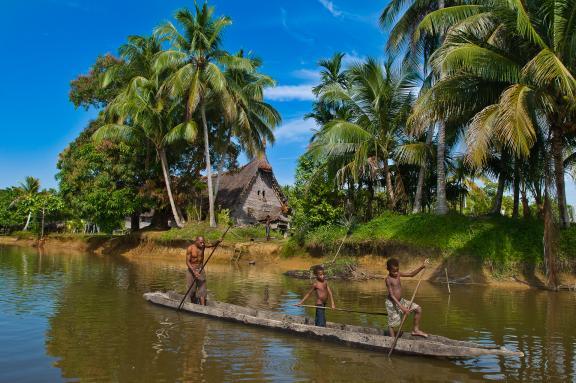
(396, 306)
(323, 292)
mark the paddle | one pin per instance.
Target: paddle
(202, 268)
(346, 310)
(406, 315)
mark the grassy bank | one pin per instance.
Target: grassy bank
(210, 234)
(497, 241)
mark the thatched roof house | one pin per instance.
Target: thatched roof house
(251, 193)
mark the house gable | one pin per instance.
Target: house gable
(259, 200)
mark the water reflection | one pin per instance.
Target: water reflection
(79, 317)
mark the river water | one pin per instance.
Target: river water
(82, 318)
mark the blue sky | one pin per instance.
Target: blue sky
(47, 43)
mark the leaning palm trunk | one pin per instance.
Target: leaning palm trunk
(421, 176)
(164, 164)
(27, 221)
(559, 176)
(208, 167)
(389, 187)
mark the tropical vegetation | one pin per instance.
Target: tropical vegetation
(476, 98)
(174, 106)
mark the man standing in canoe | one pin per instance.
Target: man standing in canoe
(194, 261)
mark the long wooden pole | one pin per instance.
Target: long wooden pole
(447, 280)
(406, 315)
(201, 269)
(346, 310)
(339, 247)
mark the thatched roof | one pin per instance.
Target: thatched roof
(234, 184)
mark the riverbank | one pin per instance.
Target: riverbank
(486, 250)
(482, 249)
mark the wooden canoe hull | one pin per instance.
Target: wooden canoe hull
(365, 337)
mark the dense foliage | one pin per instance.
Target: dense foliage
(314, 201)
(172, 105)
(26, 207)
(482, 103)
(102, 183)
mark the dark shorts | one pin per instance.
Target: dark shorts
(320, 316)
(199, 290)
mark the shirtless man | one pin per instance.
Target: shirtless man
(323, 292)
(194, 261)
(396, 306)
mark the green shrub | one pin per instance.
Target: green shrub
(223, 217)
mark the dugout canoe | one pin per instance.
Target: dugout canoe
(365, 337)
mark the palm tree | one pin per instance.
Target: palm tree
(331, 73)
(542, 89)
(197, 54)
(26, 192)
(378, 101)
(142, 114)
(405, 17)
(255, 119)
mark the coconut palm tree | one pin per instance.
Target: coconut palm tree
(198, 57)
(27, 191)
(404, 17)
(377, 102)
(142, 114)
(255, 119)
(331, 73)
(542, 86)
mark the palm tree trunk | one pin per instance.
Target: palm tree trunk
(42, 224)
(389, 187)
(208, 166)
(550, 236)
(27, 221)
(497, 205)
(557, 153)
(370, 200)
(516, 191)
(441, 204)
(164, 165)
(538, 200)
(421, 176)
(525, 205)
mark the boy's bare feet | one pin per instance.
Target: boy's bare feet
(419, 333)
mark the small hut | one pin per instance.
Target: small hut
(252, 193)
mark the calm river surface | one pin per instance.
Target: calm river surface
(74, 317)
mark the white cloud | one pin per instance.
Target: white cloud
(290, 92)
(329, 5)
(296, 130)
(307, 74)
(352, 58)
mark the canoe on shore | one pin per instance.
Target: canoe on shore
(365, 337)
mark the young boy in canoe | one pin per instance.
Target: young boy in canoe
(396, 306)
(323, 292)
